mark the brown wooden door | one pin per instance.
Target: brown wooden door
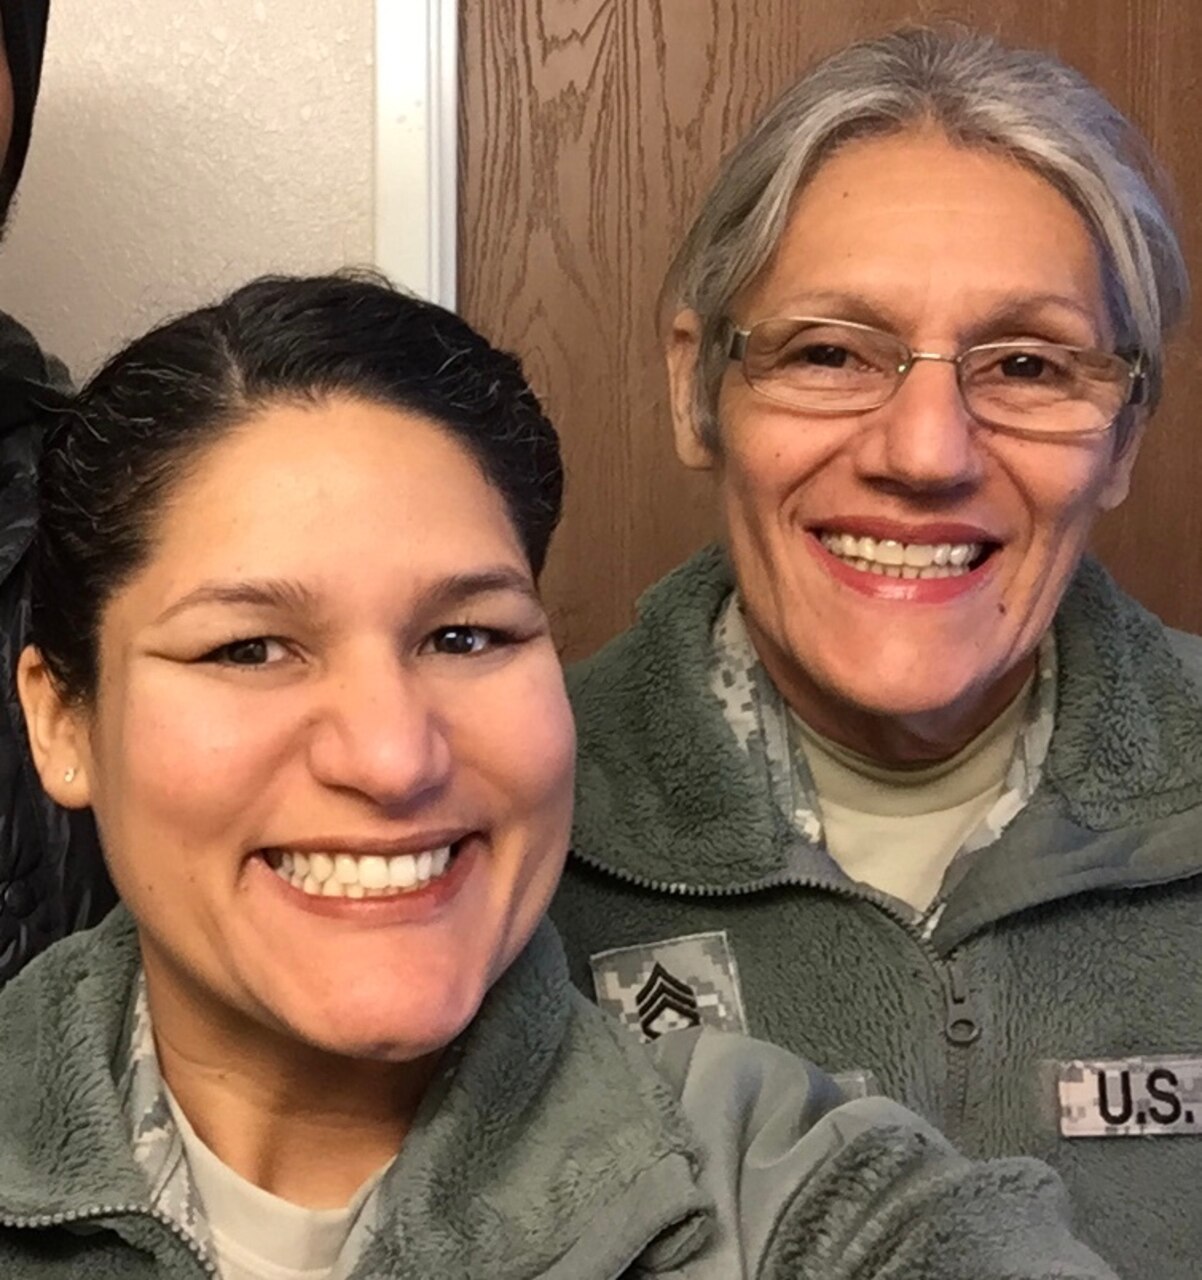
(590, 131)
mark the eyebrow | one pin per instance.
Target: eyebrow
(1007, 308)
(288, 594)
(255, 593)
(459, 588)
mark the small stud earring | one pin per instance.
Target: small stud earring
(69, 775)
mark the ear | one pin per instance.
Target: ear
(57, 731)
(681, 349)
(1118, 483)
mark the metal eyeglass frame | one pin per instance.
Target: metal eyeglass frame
(736, 349)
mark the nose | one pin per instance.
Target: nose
(924, 439)
(377, 732)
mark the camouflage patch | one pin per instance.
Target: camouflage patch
(757, 716)
(656, 987)
(1130, 1097)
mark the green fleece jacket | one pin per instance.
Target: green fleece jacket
(1050, 1006)
(554, 1146)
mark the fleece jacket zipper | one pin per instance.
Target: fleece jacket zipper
(961, 1022)
(93, 1213)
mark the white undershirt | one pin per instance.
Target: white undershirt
(897, 830)
(259, 1236)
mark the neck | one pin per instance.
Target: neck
(895, 741)
(304, 1124)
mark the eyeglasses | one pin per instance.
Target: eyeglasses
(839, 367)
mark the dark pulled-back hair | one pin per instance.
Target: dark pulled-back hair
(126, 439)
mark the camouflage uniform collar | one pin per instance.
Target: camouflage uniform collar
(760, 721)
(157, 1147)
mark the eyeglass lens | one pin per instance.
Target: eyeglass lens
(826, 367)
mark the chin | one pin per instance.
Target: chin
(893, 692)
(386, 1028)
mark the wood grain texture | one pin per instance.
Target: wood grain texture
(591, 129)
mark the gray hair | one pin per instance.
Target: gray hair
(1026, 104)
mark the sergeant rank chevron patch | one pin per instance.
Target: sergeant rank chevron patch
(656, 987)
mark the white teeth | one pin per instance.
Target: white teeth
(373, 873)
(960, 555)
(402, 871)
(894, 559)
(343, 875)
(919, 556)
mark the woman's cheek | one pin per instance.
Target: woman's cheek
(193, 759)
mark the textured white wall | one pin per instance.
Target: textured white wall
(180, 147)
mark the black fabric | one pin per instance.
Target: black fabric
(24, 41)
(52, 878)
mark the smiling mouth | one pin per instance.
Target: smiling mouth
(336, 874)
(892, 559)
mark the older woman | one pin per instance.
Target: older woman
(289, 648)
(896, 778)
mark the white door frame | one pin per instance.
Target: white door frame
(416, 141)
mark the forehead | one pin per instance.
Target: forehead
(918, 225)
(343, 492)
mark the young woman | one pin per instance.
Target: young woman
(288, 647)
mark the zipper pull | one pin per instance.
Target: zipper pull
(960, 1026)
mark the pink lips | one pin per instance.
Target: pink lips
(929, 533)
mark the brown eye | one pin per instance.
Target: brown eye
(462, 641)
(830, 357)
(1026, 366)
(255, 651)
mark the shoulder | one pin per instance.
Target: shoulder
(671, 636)
(73, 973)
(1127, 743)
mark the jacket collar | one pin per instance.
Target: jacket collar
(665, 796)
(549, 1148)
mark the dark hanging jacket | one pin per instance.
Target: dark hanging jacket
(24, 40)
(52, 880)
